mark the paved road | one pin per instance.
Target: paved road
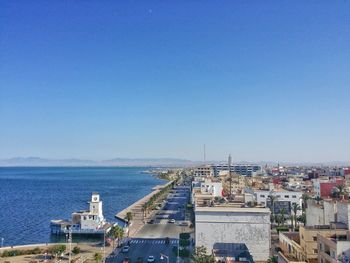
(173, 208)
(141, 248)
(151, 239)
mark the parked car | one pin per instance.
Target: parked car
(150, 221)
(150, 259)
(125, 249)
(172, 221)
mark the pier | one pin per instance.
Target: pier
(138, 220)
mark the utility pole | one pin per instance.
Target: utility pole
(70, 244)
(104, 245)
(229, 174)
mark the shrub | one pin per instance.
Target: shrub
(36, 251)
(282, 229)
(184, 235)
(57, 249)
(184, 242)
(184, 253)
(76, 250)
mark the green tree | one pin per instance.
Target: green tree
(116, 232)
(302, 218)
(304, 197)
(273, 200)
(57, 249)
(295, 209)
(200, 256)
(272, 259)
(342, 189)
(129, 217)
(283, 216)
(97, 257)
(76, 250)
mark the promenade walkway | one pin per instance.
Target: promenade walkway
(138, 220)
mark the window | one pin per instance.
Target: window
(314, 238)
(262, 195)
(332, 254)
(294, 196)
(315, 251)
(286, 196)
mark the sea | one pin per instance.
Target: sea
(31, 197)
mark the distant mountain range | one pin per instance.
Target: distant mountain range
(37, 161)
(146, 162)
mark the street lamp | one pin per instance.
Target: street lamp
(162, 256)
(2, 242)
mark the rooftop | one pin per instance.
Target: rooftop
(232, 209)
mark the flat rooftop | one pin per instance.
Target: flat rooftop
(232, 209)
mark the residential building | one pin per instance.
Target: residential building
(323, 187)
(241, 169)
(283, 199)
(320, 212)
(203, 171)
(227, 224)
(289, 243)
(309, 237)
(333, 249)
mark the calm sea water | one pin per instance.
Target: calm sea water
(31, 197)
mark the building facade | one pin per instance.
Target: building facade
(249, 226)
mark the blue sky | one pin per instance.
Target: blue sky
(262, 80)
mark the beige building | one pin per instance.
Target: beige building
(334, 249)
(309, 235)
(289, 243)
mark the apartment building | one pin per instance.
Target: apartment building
(334, 249)
(282, 199)
(234, 225)
(309, 237)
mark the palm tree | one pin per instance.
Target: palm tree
(304, 197)
(129, 217)
(272, 259)
(283, 216)
(302, 218)
(116, 232)
(295, 209)
(273, 199)
(341, 189)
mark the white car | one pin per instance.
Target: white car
(150, 259)
(125, 249)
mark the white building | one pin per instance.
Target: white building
(224, 224)
(320, 212)
(212, 187)
(281, 196)
(91, 219)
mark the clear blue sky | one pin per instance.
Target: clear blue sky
(264, 80)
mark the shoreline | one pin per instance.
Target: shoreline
(139, 220)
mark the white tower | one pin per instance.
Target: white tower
(96, 206)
